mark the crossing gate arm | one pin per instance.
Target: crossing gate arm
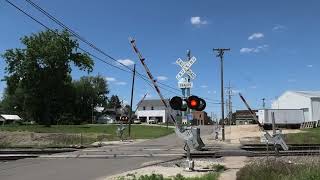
(276, 138)
(190, 135)
(154, 82)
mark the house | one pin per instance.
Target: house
(244, 117)
(200, 118)
(106, 119)
(154, 110)
(7, 118)
(308, 101)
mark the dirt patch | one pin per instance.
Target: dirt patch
(245, 134)
(16, 139)
(171, 169)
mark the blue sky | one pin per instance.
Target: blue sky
(273, 43)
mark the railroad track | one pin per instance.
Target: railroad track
(270, 147)
(252, 150)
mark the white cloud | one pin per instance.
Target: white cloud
(279, 28)
(162, 78)
(255, 49)
(203, 86)
(196, 20)
(247, 50)
(253, 87)
(309, 65)
(126, 62)
(256, 36)
(121, 83)
(110, 79)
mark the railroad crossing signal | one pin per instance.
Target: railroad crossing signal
(186, 65)
(193, 102)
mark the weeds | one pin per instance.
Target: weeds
(279, 170)
(210, 176)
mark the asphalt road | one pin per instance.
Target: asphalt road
(51, 168)
(68, 169)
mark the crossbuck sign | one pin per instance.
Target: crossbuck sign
(186, 65)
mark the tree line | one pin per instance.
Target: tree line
(40, 86)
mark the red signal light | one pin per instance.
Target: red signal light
(193, 103)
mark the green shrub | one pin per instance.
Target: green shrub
(279, 170)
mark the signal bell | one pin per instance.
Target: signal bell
(193, 102)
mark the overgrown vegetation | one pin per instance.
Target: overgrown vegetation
(308, 136)
(217, 167)
(65, 135)
(209, 176)
(279, 170)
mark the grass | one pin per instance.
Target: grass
(279, 170)
(66, 135)
(217, 167)
(308, 136)
(137, 131)
(209, 176)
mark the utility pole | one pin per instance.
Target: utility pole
(229, 103)
(188, 89)
(263, 103)
(132, 88)
(220, 53)
(92, 117)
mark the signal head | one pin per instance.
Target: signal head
(193, 102)
(176, 103)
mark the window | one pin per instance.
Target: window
(152, 108)
(144, 108)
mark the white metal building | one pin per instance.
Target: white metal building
(308, 101)
(154, 110)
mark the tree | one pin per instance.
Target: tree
(38, 75)
(89, 92)
(126, 110)
(114, 102)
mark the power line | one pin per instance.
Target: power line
(85, 51)
(86, 41)
(127, 70)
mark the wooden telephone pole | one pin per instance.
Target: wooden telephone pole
(220, 53)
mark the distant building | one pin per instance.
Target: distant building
(308, 101)
(244, 117)
(7, 118)
(106, 119)
(200, 118)
(154, 110)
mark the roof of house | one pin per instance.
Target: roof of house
(10, 117)
(153, 102)
(310, 94)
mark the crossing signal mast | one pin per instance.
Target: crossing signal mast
(190, 135)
